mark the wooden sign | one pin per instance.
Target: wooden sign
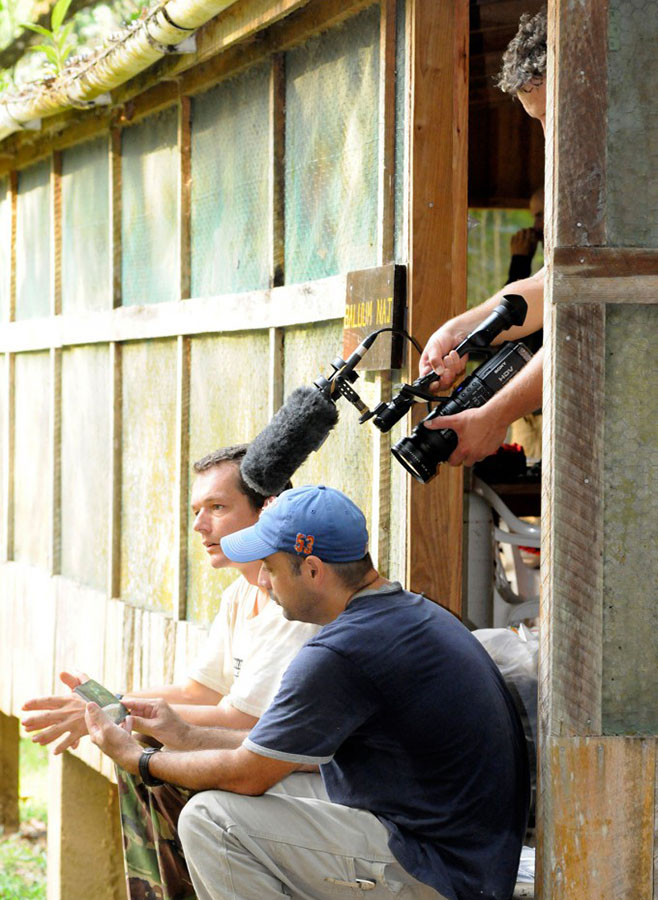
(376, 298)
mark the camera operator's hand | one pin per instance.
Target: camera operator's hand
(524, 242)
(440, 357)
(479, 432)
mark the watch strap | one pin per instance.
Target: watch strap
(144, 760)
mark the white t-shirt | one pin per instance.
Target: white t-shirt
(247, 651)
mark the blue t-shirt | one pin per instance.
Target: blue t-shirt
(409, 718)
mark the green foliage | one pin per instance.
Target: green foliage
(22, 869)
(23, 859)
(59, 44)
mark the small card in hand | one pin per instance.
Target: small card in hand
(93, 692)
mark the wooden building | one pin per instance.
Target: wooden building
(174, 263)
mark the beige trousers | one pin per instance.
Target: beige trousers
(292, 842)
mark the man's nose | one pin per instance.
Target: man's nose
(201, 521)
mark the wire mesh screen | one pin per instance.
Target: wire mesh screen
(332, 98)
(225, 408)
(630, 562)
(86, 443)
(32, 505)
(632, 123)
(345, 459)
(230, 186)
(149, 210)
(5, 248)
(33, 242)
(86, 281)
(148, 474)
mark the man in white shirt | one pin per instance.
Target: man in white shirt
(231, 684)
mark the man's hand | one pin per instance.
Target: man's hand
(439, 356)
(524, 242)
(480, 434)
(58, 716)
(157, 719)
(115, 741)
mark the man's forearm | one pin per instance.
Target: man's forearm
(222, 715)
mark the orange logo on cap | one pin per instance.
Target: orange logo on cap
(304, 543)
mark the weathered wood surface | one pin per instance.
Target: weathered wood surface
(183, 361)
(579, 120)
(295, 304)
(572, 527)
(437, 254)
(601, 804)
(605, 275)
(8, 773)
(277, 169)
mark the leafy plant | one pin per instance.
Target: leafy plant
(60, 45)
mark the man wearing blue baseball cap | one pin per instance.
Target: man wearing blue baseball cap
(420, 747)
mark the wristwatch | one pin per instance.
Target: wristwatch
(148, 779)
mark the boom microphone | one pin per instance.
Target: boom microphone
(298, 428)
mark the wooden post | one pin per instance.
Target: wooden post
(438, 43)
(84, 834)
(598, 682)
(8, 772)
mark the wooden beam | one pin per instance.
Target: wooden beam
(55, 418)
(602, 804)
(7, 491)
(114, 482)
(381, 443)
(572, 524)
(183, 357)
(605, 275)
(580, 30)
(437, 254)
(295, 304)
(277, 169)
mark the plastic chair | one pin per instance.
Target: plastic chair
(509, 605)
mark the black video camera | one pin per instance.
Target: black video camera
(421, 452)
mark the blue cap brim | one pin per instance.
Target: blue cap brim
(246, 545)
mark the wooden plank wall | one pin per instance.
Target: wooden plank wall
(597, 796)
(437, 58)
(437, 261)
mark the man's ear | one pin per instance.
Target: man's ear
(315, 567)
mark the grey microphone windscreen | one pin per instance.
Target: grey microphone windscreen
(298, 428)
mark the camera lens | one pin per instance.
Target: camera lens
(423, 450)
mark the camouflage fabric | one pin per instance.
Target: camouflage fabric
(155, 865)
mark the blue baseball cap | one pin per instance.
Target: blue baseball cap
(309, 521)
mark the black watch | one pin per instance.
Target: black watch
(148, 779)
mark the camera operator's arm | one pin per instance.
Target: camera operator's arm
(437, 356)
(482, 430)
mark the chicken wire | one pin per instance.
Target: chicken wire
(150, 211)
(332, 114)
(86, 278)
(230, 186)
(33, 264)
